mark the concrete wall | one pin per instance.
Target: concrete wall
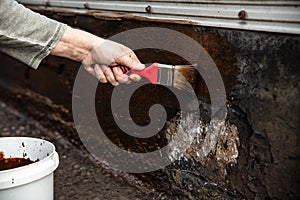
(258, 154)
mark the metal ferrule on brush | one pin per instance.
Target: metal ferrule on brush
(165, 74)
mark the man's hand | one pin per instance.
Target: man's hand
(104, 59)
(100, 57)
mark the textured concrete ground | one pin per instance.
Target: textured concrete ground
(77, 177)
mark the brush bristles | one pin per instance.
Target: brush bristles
(184, 78)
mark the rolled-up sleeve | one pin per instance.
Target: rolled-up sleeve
(26, 35)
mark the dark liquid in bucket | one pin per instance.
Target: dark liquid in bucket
(10, 163)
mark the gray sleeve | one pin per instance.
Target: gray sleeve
(25, 35)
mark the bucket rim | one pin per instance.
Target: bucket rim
(25, 174)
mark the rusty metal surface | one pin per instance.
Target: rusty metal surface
(261, 76)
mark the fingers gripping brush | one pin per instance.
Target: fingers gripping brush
(177, 76)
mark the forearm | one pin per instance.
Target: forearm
(30, 37)
(76, 44)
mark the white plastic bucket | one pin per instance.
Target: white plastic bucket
(33, 181)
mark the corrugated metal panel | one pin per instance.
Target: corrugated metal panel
(272, 16)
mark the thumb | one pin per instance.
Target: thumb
(131, 61)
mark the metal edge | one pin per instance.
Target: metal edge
(279, 17)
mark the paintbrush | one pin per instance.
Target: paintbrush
(177, 76)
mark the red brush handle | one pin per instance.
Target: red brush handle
(149, 73)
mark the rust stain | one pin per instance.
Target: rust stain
(148, 9)
(110, 15)
(242, 15)
(86, 5)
